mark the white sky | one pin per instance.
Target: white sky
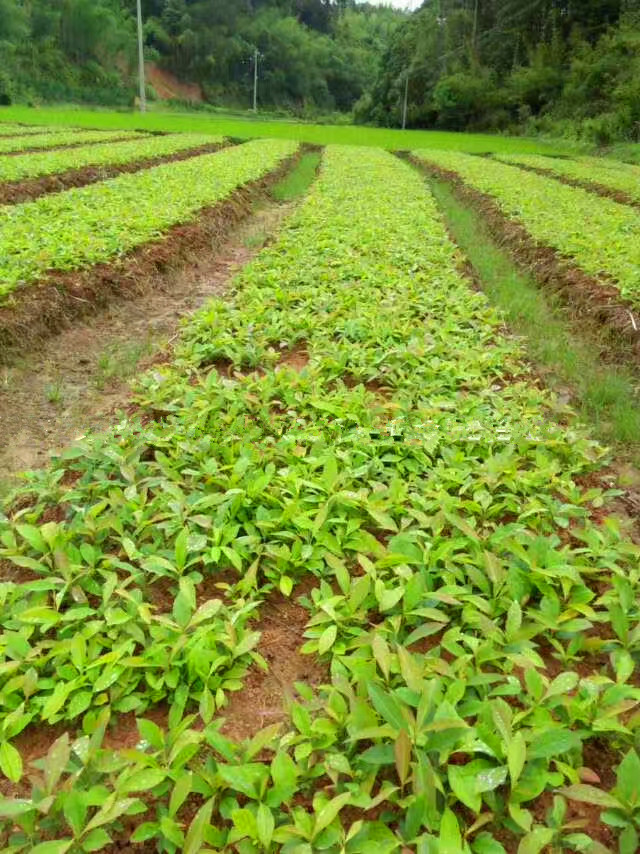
(402, 4)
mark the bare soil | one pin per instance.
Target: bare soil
(264, 697)
(78, 380)
(14, 192)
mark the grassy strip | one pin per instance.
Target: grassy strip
(352, 411)
(249, 127)
(608, 174)
(605, 394)
(53, 140)
(85, 226)
(601, 236)
(38, 164)
(297, 182)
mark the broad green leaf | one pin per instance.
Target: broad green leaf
(265, 825)
(590, 795)
(516, 757)
(10, 762)
(329, 811)
(386, 704)
(327, 639)
(450, 839)
(195, 835)
(535, 841)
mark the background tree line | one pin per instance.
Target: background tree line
(314, 54)
(568, 66)
(556, 66)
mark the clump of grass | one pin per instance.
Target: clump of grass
(605, 394)
(120, 362)
(298, 181)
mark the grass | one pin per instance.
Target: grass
(250, 128)
(604, 394)
(120, 362)
(296, 183)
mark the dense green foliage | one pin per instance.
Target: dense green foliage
(35, 165)
(475, 607)
(550, 65)
(31, 141)
(314, 54)
(600, 235)
(83, 226)
(318, 134)
(610, 174)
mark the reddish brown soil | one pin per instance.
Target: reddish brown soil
(168, 87)
(21, 191)
(296, 358)
(41, 309)
(264, 698)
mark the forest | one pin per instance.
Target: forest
(562, 67)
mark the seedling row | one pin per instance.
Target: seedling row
(81, 227)
(598, 235)
(55, 139)
(353, 413)
(39, 164)
(610, 174)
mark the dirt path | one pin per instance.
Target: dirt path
(79, 379)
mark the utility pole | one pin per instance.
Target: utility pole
(143, 92)
(255, 80)
(406, 102)
(475, 30)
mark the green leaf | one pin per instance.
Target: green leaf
(628, 840)
(516, 757)
(381, 653)
(450, 839)
(96, 840)
(590, 795)
(244, 822)
(265, 825)
(181, 791)
(56, 761)
(195, 835)
(329, 811)
(628, 779)
(386, 704)
(535, 841)
(143, 780)
(327, 639)
(10, 762)
(402, 751)
(553, 742)
(56, 846)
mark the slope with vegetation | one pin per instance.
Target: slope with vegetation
(546, 65)
(313, 54)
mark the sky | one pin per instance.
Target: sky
(403, 4)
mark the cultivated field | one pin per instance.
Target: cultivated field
(345, 570)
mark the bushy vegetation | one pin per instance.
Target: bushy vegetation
(511, 64)
(600, 235)
(313, 54)
(96, 223)
(473, 605)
